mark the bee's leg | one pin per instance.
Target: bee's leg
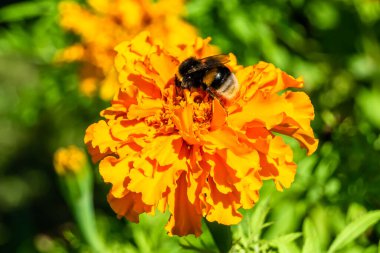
(177, 82)
(212, 94)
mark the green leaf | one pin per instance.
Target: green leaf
(287, 247)
(141, 240)
(284, 219)
(353, 230)
(24, 10)
(258, 217)
(284, 248)
(285, 243)
(311, 241)
(288, 238)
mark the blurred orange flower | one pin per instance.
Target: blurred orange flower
(182, 151)
(104, 24)
(69, 160)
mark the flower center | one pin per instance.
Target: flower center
(176, 101)
(202, 109)
(201, 104)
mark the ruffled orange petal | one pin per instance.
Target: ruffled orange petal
(266, 108)
(271, 79)
(289, 113)
(297, 124)
(115, 171)
(145, 108)
(223, 207)
(99, 141)
(184, 217)
(248, 182)
(129, 206)
(219, 115)
(120, 104)
(224, 176)
(164, 149)
(249, 187)
(183, 120)
(165, 65)
(224, 138)
(277, 163)
(158, 169)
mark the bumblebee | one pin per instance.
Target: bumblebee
(209, 74)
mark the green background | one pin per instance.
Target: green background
(333, 44)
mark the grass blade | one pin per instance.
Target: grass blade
(311, 240)
(353, 230)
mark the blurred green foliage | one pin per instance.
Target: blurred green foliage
(333, 44)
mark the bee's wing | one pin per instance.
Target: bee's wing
(219, 58)
(210, 62)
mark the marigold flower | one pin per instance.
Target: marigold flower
(69, 160)
(104, 24)
(178, 150)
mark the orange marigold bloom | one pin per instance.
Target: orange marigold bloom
(104, 24)
(178, 150)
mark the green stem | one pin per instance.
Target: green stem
(222, 236)
(78, 193)
(83, 211)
